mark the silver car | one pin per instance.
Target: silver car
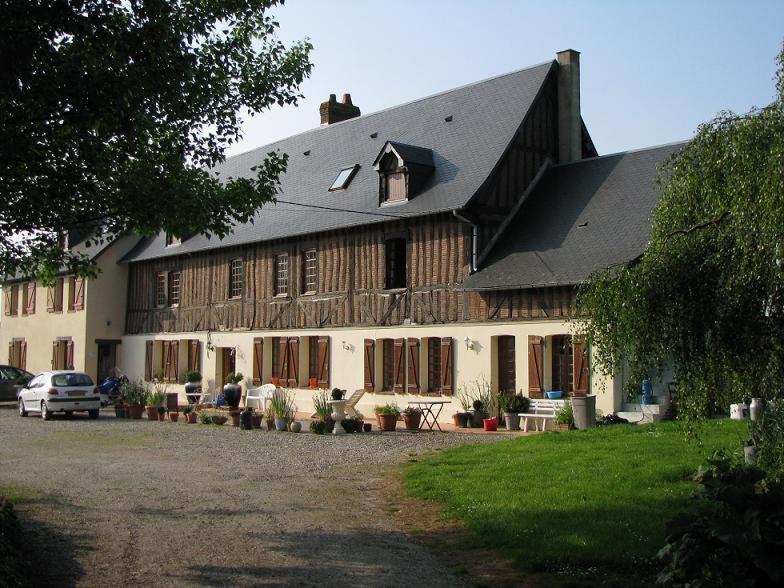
(9, 381)
(60, 391)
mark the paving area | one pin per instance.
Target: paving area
(119, 502)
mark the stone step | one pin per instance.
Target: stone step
(638, 417)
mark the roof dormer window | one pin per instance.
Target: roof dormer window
(344, 178)
(403, 170)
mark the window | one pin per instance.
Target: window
(310, 271)
(17, 353)
(71, 380)
(160, 289)
(172, 240)
(434, 364)
(28, 298)
(54, 296)
(395, 186)
(282, 274)
(563, 363)
(395, 263)
(276, 357)
(236, 278)
(11, 299)
(388, 365)
(174, 288)
(344, 178)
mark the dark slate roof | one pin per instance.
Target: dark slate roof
(412, 153)
(485, 117)
(581, 217)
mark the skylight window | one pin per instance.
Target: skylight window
(344, 177)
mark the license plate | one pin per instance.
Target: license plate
(76, 393)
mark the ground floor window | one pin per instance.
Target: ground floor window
(63, 354)
(388, 366)
(506, 365)
(17, 354)
(563, 363)
(434, 364)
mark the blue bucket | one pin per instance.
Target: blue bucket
(554, 394)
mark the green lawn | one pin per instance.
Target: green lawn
(573, 500)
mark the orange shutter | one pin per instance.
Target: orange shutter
(323, 362)
(413, 365)
(398, 365)
(148, 355)
(293, 371)
(581, 376)
(535, 366)
(23, 355)
(370, 365)
(258, 356)
(447, 365)
(69, 355)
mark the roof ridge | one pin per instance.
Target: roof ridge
(617, 153)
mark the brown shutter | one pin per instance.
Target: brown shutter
(258, 356)
(581, 379)
(50, 299)
(283, 347)
(174, 360)
(413, 365)
(7, 302)
(30, 302)
(10, 353)
(370, 365)
(23, 355)
(55, 348)
(447, 365)
(148, 355)
(399, 362)
(293, 372)
(194, 356)
(535, 366)
(78, 301)
(323, 362)
(69, 355)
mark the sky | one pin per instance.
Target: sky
(651, 71)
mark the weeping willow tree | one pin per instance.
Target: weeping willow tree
(707, 295)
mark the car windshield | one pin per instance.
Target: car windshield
(9, 373)
(71, 380)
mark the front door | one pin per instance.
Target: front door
(227, 363)
(107, 360)
(506, 365)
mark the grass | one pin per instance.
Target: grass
(578, 500)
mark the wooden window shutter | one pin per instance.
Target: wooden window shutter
(194, 356)
(174, 360)
(447, 365)
(400, 374)
(581, 376)
(323, 362)
(413, 365)
(293, 371)
(10, 353)
(166, 357)
(78, 302)
(7, 300)
(535, 366)
(370, 365)
(55, 349)
(283, 346)
(258, 357)
(69, 355)
(23, 355)
(50, 299)
(30, 299)
(148, 355)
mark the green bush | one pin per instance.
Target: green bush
(193, 377)
(387, 409)
(565, 416)
(10, 545)
(767, 434)
(320, 404)
(734, 537)
(205, 418)
(136, 392)
(322, 427)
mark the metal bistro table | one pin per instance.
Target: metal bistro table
(429, 416)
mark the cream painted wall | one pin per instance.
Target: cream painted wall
(347, 363)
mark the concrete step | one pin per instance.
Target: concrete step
(639, 417)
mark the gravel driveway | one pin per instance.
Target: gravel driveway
(117, 502)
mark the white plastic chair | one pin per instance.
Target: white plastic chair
(353, 400)
(260, 395)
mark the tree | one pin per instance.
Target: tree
(707, 295)
(113, 112)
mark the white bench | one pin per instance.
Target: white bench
(541, 409)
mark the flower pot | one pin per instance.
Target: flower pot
(387, 422)
(246, 420)
(313, 383)
(119, 411)
(219, 419)
(270, 424)
(174, 416)
(477, 419)
(152, 413)
(490, 424)
(191, 388)
(296, 427)
(280, 424)
(367, 427)
(135, 411)
(256, 421)
(412, 421)
(512, 421)
(584, 408)
(232, 393)
(563, 426)
(235, 418)
(456, 420)
(463, 420)
(192, 418)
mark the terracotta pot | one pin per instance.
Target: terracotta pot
(270, 424)
(235, 418)
(412, 421)
(152, 413)
(135, 411)
(174, 416)
(456, 420)
(387, 422)
(192, 418)
(119, 411)
(563, 426)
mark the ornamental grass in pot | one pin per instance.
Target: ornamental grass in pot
(387, 416)
(412, 416)
(156, 400)
(282, 409)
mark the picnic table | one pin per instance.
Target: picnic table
(429, 416)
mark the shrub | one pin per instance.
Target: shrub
(281, 404)
(565, 416)
(157, 397)
(767, 434)
(514, 403)
(234, 378)
(734, 537)
(193, 377)
(412, 411)
(136, 392)
(322, 427)
(387, 409)
(351, 425)
(205, 418)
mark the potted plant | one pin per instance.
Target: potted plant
(246, 419)
(192, 385)
(234, 414)
(257, 418)
(232, 391)
(135, 394)
(281, 407)
(479, 414)
(387, 416)
(564, 419)
(156, 400)
(512, 406)
(120, 408)
(162, 414)
(174, 415)
(205, 418)
(463, 417)
(190, 414)
(412, 416)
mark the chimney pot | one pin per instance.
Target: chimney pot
(347, 99)
(570, 131)
(333, 111)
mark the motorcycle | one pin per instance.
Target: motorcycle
(111, 389)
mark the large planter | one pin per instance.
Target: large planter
(584, 408)
(463, 420)
(512, 421)
(412, 421)
(135, 411)
(387, 422)
(152, 413)
(246, 420)
(477, 419)
(280, 424)
(174, 416)
(119, 411)
(191, 388)
(232, 393)
(192, 418)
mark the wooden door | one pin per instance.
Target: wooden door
(506, 365)
(107, 359)
(227, 363)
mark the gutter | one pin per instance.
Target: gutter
(474, 238)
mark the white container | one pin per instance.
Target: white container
(755, 408)
(736, 411)
(750, 454)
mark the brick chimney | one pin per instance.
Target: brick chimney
(570, 134)
(333, 111)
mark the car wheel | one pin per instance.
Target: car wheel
(22, 411)
(45, 414)
(93, 413)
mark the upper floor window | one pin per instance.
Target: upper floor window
(310, 270)
(174, 288)
(403, 171)
(395, 261)
(28, 298)
(160, 289)
(236, 278)
(54, 296)
(11, 299)
(282, 274)
(343, 178)
(75, 293)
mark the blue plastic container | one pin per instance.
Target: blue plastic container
(554, 394)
